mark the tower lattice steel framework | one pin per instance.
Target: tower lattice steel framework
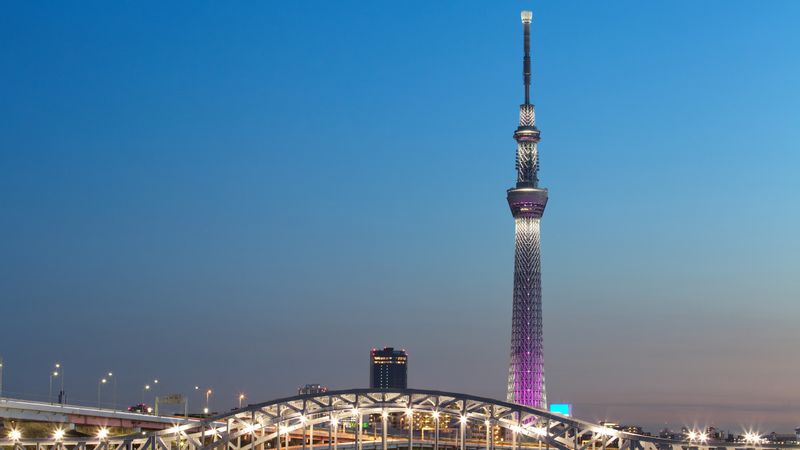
(527, 201)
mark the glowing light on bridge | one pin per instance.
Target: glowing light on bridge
(752, 438)
(605, 431)
(58, 434)
(436, 415)
(15, 434)
(539, 431)
(102, 433)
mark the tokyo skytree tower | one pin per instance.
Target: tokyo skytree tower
(527, 201)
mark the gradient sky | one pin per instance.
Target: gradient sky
(250, 196)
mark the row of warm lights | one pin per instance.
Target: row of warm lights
(693, 436)
(102, 433)
(463, 419)
(697, 436)
(58, 434)
(752, 438)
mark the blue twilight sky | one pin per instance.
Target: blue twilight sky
(251, 195)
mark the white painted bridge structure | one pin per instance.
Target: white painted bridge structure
(319, 422)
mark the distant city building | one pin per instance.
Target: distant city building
(634, 429)
(388, 369)
(312, 389)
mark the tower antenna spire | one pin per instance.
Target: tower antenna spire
(527, 16)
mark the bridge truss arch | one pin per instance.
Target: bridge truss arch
(319, 422)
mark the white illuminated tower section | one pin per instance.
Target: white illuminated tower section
(527, 201)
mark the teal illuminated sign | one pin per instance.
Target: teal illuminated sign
(561, 408)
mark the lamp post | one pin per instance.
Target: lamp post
(61, 396)
(99, 385)
(148, 387)
(145, 388)
(155, 387)
(208, 394)
(241, 397)
(53, 374)
(112, 377)
(1, 376)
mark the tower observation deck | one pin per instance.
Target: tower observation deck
(527, 202)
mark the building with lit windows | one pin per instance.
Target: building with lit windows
(312, 389)
(388, 369)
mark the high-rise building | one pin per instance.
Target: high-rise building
(527, 201)
(388, 369)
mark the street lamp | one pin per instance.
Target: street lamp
(110, 376)
(14, 435)
(99, 385)
(208, 394)
(241, 397)
(53, 374)
(197, 389)
(60, 370)
(145, 388)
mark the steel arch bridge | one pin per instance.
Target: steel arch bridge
(318, 422)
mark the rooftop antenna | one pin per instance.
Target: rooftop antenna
(527, 16)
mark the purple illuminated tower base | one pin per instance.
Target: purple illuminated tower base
(527, 201)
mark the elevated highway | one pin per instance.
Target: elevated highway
(32, 411)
